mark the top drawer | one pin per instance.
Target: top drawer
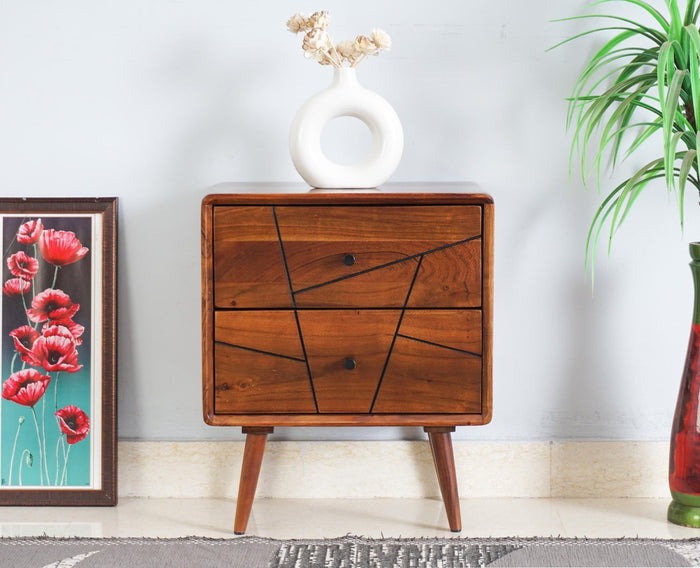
(347, 256)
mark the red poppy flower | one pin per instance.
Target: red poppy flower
(25, 387)
(75, 329)
(22, 265)
(52, 304)
(61, 247)
(55, 351)
(74, 423)
(24, 338)
(29, 232)
(15, 287)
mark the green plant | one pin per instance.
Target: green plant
(641, 87)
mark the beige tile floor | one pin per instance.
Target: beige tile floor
(320, 518)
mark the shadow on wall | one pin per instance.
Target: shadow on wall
(218, 139)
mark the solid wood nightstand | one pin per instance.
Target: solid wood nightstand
(347, 309)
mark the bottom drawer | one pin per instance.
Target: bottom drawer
(348, 362)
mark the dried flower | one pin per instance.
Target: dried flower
(320, 20)
(316, 40)
(297, 23)
(364, 45)
(318, 44)
(381, 39)
(346, 50)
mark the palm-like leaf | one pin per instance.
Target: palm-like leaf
(643, 81)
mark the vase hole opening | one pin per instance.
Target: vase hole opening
(346, 140)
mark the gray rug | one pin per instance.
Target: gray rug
(347, 552)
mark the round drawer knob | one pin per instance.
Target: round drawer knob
(350, 363)
(349, 259)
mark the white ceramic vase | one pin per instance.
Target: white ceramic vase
(345, 97)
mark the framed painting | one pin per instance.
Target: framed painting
(58, 351)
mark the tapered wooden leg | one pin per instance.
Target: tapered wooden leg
(250, 471)
(443, 456)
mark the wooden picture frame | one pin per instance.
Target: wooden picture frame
(58, 309)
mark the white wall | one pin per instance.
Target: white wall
(156, 101)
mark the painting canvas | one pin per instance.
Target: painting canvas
(57, 422)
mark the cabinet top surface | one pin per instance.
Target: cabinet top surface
(226, 193)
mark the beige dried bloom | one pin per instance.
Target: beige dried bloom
(320, 20)
(346, 50)
(381, 39)
(316, 40)
(318, 44)
(364, 45)
(298, 23)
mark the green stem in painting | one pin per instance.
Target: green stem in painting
(26, 311)
(58, 424)
(55, 392)
(55, 277)
(14, 449)
(38, 439)
(43, 451)
(58, 458)
(22, 460)
(36, 255)
(64, 475)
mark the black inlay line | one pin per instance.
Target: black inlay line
(261, 351)
(396, 332)
(418, 255)
(294, 305)
(440, 345)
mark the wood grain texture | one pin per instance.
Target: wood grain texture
(459, 329)
(443, 457)
(344, 419)
(455, 276)
(487, 310)
(389, 223)
(248, 267)
(423, 378)
(207, 221)
(449, 278)
(263, 330)
(424, 193)
(255, 441)
(247, 382)
(318, 263)
(331, 338)
(382, 288)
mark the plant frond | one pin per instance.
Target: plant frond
(585, 87)
(648, 8)
(602, 214)
(644, 80)
(654, 35)
(630, 191)
(593, 115)
(676, 20)
(689, 161)
(618, 124)
(643, 136)
(693, 63)
(668, 108)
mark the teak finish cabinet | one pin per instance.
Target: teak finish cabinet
(347, 309)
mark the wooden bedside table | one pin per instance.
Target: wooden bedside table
(347, 309)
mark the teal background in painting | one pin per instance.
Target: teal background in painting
(74, 388)
(70, 388)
